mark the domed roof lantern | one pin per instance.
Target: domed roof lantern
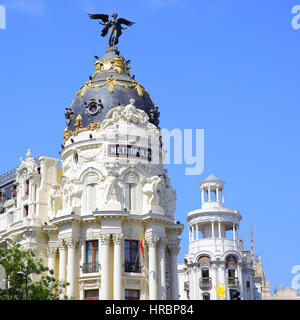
(212, 192)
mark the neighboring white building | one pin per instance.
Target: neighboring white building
(87, 218)
(216, 256)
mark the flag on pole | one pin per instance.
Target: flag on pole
(141, 244)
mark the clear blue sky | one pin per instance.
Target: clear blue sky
(229, 67)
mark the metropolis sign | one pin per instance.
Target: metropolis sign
(129, 151)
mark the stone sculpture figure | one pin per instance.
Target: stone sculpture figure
(151, 187)
(54, 196)
(76, 191)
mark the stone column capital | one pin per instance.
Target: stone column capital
(152, 241)
(163, 242)
(105, 238)
(51, 252)
(117, 238)
(174, 247)
(61, 244)
(72, 242)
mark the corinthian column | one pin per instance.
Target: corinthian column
(72, 244)
(152, 243)
(62, 263)
(117, 239)
(174, 249)
(162, 264)
(105, 292)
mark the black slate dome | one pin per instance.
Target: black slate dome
(110, 86)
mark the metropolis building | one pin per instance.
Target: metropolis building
(103, 220)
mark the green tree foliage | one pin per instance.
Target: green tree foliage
(23, 266)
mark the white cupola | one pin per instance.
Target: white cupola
(212, 192)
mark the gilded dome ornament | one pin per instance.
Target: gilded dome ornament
(117, 64)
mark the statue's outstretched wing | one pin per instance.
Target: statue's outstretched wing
(99, 16)
(126, 22)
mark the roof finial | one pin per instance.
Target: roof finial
(29, 154)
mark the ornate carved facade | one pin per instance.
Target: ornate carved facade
(86, 218)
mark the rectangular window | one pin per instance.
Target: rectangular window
(231, 273)
(91, 294)
(91, 260)
(15, 191)
(25, 211)
(205, 273)
(132, 260)
(1, 196)
(27, 187)
(132, 294)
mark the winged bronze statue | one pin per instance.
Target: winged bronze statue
(114, 25)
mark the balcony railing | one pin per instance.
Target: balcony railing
(132, 267)
(205, 282)
(90, 267)
(232, 282)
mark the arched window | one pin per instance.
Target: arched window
(231, 265)
(231, 261)
(204, 261)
